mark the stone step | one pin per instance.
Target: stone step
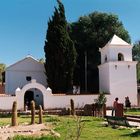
(133, 116)
(133, 119)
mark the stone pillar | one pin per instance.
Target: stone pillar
(119, 110)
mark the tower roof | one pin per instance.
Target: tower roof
(117, 41)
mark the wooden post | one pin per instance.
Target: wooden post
(72, 107)
(104, 110)
(14, 114)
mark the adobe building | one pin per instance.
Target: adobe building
(26, 81)
(117, 72)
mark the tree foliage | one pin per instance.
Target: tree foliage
(101, 99)
(136, 57)
(90, 33)
(41, 60)
(136, 51)
(60, 52)
(2, 69)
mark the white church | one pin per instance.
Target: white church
(26, 80)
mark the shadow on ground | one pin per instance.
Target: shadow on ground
(133, 134)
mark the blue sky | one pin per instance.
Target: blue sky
(23, 23)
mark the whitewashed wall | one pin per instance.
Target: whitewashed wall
(123, 81)
(53, 101)
(62, 101)
(18, 79)
(115, 50)
(104, 81)
(112, 53)
(6, 102)
(119, 79)
(16, 74)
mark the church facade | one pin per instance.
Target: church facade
(21, 73)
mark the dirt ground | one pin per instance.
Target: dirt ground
(7, 132)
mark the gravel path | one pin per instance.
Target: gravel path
(34, 130)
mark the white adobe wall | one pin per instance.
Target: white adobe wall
(6, 102)
(63, 101)
(119, 79)
(123, 81)
(16, 74)
(115, 50)
(104, 80)
(104, 53)
(51, 101)
(112, 53)
(18, 79)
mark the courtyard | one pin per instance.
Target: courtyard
(56, 127)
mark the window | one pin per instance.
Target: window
(28, 78)
(120, 57)
(105, 58)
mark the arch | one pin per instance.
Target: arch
(20, 93)
(32, 85)
(120, 57)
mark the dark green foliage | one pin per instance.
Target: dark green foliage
(40, 115)
(72, 107)
(14, 114)
(90, 33)
(2, 69)
(136, 57)
(32, 112)
(60, 53)
(136, 51)
(101, 100)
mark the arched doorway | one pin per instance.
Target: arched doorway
(38, 90)
(33, 94)
(28, 97)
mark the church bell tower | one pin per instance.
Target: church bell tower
(117, 71)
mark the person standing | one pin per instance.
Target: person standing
(127, 102)
(115, 103)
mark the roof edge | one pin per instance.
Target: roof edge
(27, 57)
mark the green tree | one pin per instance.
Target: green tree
(2, 69)
(136, 51)
(41, 60)
(90, 33)
(60, 52)
(136, 57)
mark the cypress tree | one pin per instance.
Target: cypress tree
(60, 52)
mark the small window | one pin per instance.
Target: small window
(28, 78)
(105, 58)
(120, 57)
